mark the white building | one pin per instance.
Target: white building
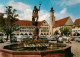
(76, 27)
(26, 27)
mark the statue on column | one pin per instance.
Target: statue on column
(35, 22)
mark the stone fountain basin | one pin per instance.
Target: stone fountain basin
(62, 52)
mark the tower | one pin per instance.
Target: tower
(51, 21)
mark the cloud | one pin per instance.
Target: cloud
(68, 2)
(24, 10)
(72, 2)
(63, 13)
(44, 15)
(2, 9)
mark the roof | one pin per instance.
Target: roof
(77, 21)
(61, 22)
(27, 23)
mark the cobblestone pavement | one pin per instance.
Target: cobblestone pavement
(75, 47)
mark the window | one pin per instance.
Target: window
(29, 25)
(20, 27)
(21, 34)
(17, 34)
(44, 22)
(26, 34)
(47, 33)
(25, 24)
(20, 30)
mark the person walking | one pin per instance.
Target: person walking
(69, 40)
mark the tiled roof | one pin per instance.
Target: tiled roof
(77, 22)
(27, 23)
(61, 22)
(40, 23)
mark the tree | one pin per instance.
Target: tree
(61, 30)
(8, 24)
(3, 24)
(56, 32)
(64, 30)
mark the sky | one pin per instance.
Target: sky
(62, 8)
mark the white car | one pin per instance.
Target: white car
(30, 37)
(42, 37)
(24, 38)
(64, 38)
(2, 40)
(52, 38)
(60, 40)
(18, 38)
(77, 39)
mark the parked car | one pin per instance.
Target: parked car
(64, 38)
(42, 36)
(72, 38)
(52, 38)
(60, 40)
(18, 38)
(30, 37)
(14, 38)
(24, 38)
(77, 39)
(2, 40)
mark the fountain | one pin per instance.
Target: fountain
(36, 47)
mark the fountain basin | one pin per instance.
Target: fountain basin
(61, 52)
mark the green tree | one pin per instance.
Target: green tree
(8, 24)
(3, 25)
(56, 32)
(64, 30)
(61, 30)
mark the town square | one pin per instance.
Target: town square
(39, 28)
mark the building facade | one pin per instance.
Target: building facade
(76, 27)
(65, 23)
(26, 28)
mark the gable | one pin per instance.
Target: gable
(77, 22)
(61, 22)
(69, 22)
(45, 23)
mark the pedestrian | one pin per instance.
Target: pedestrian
(69, 40)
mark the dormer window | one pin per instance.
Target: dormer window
(44, 22)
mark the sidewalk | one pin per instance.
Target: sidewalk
(3, 44)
